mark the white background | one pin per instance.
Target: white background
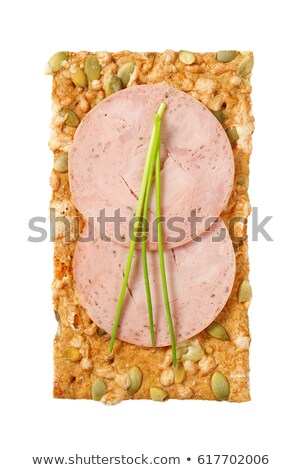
(33, 422)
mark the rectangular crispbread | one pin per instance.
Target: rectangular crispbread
(81, 354)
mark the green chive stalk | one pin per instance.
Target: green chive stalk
(161, 257)
(158, 117)
(151, 157)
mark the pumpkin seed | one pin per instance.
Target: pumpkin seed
(56, 61)
(244, 293)
(61, 163)
(246, 66)
(219, 115)
(79, 77)
(186, 57)
(98, 100)
(136, 378)
(72, 119)
(217, 331)
(158, 394)
(180, 351)
(232, 134)
(113, 84)
(125, 72)
(220, 386)
(72, 354)
(179, 373)
(195, 353)
(101, 332)
(98, 389)
(226, 56)
(92, 68)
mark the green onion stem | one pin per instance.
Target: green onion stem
(161, 257)
(151, 155)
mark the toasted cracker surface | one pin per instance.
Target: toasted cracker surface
(80, 354)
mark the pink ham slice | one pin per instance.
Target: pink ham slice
(109, 151)
(200, 277)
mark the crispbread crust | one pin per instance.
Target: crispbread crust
(218, 86)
